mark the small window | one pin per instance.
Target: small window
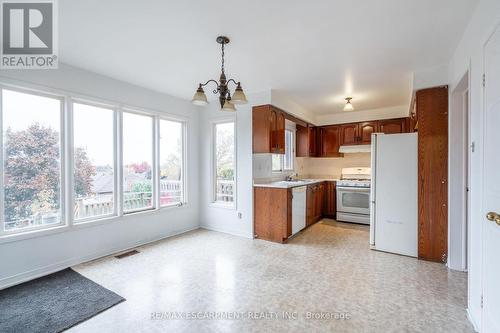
(284, 162)
(289, 151)
(94, 171)
(137, 162)
(224, 163)
(32, 172)
(171, 162)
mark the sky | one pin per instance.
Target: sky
(93, 127)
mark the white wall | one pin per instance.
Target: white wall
(28, 258)
(214, 217)
(469, 53)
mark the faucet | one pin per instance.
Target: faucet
(290, 177)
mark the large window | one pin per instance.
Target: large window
(171, 162)
(94, 162)
(280, 162)
(31, 167)
(137, 162)
(224, 163)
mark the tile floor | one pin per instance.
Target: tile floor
(324, 279)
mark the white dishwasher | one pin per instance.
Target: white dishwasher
(298, 208)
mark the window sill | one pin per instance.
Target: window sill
(14, 237)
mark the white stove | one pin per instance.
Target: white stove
(353, 195)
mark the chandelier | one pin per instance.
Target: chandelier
(227, 101)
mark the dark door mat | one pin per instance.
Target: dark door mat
(53, 303)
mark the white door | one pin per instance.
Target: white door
(491, 188)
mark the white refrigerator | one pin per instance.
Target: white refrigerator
(394, 193)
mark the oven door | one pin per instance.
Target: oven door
(354, 200)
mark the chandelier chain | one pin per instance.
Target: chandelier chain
(222, 67)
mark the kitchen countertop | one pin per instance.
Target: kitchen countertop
(290, 184)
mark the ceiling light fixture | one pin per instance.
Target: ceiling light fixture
(222, 89)
(348, 105)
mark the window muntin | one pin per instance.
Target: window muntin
(137, 162)
(171, 162)
(225, 163)
(32, 174)
(94, 162)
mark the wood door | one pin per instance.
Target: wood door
(312, 132)
(279, 136)
(330, 205)
(302, 141)
(349, 134)
(330, 141)
(272, 218)
(392, 126)
(262, 130)
(365, 131)
(310, 205)
(432, 108)
(491, 189)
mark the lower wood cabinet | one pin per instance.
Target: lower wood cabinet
(272, 213)
(330, 202)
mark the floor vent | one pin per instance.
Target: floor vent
(126, 254)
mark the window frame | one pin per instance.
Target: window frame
(71, 169)
(62, 162)
(66, 163)
(154, 161)
(283, 156)
(213, 173)
(183, 159)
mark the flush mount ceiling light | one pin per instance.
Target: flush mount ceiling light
(226, 101)
(348, 105)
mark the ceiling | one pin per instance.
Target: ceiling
(315, 52)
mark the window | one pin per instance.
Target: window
(94, 176)
(137, 162)
(224, 161)
(284, 162)
(171, 162)
(32, 161)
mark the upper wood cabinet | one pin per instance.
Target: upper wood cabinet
(349, 134)
(393, 126)
(329, 141)
(268, 129)
(366, 129)
(305, 141)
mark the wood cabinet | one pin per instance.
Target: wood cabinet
(305, 142)
(349, 134)
(272, 213)
(329, 141)
(432, 113)
(330, 202)
(366, 129)
(393, 126)
(314, 203)
(268, 129)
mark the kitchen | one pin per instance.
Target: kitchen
(362, 172)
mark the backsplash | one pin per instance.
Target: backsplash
(319, 167)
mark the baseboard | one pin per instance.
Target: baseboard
(49, 269)
(225, 231)
(473, 322)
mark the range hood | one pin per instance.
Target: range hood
(355, 149)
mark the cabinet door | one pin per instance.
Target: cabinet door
(330, 141)
(365, 131)
(330, 199)
(349, 134)
(261, 129)
(320, 197)
(392, 126)
(280, 132)
(310, 205)
(312, 141)
(302, 141)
